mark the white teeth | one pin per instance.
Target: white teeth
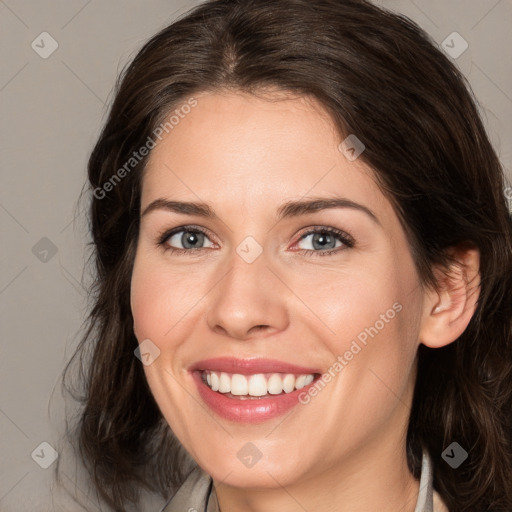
(289, 383)
(239, 385)
(224, 383)
(215, 381)
(275, 384)
(257, 384)
(300, 382)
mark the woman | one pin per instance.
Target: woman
(301, 233)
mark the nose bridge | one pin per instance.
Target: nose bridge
(248, 295)
(249, 267)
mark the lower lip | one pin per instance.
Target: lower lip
(247, 411)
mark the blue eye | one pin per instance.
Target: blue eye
(189, 238)
(325, 241)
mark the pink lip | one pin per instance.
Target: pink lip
(248, 411)
(250, 366)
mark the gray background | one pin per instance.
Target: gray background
(51, 111)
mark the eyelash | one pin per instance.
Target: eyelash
(343, 237)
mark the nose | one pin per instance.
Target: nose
(248, 301)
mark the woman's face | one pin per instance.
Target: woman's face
(266, 291)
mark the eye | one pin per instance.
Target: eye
(324, 241)
(185, 238)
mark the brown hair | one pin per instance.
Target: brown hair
(381, 78)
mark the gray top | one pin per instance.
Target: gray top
(197, 493)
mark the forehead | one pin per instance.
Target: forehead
(236, 147)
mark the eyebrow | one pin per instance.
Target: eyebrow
(287, 210)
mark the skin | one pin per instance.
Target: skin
(245, 156)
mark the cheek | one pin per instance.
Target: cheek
(353, 304)
(153, 304)
(373, 315)
(163, 304)
(149, 299)
(141, 297)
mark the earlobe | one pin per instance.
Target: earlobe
(449, 309)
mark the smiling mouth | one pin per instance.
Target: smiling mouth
(255, 386)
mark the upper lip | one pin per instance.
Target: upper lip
(250, 366)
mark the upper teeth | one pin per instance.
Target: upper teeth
(256, 385)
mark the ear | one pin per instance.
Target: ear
(448, 310)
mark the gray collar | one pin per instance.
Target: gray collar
(197, 492)
(425, 501)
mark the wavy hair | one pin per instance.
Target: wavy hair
(381, 77)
